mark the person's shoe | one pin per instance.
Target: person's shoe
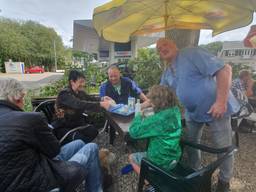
(149, 188)
(223, 186)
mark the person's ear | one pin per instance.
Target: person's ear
(19, 102)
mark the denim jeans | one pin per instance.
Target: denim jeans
(221, 133)
(88, 156)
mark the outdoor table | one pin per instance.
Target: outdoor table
(118, 123)
(121, 124)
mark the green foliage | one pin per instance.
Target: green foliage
(214, 47)
(236, 68)
(31, 43)
(81, 60)
(147, 67)
(27, 104)
(55, 88)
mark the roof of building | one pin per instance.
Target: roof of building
(86, 23)
(229, 45)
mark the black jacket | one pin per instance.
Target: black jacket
(74, 104)
(27, 147)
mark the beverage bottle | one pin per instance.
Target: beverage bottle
(131, 102)
(137, 107)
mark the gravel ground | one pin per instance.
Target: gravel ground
(244, 172)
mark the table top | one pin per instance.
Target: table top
(121, 123)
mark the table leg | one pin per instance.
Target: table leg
(112, 134)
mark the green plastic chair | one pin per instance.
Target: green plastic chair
(181, 178)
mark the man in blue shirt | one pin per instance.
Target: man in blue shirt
(202, 84)
(120, 88)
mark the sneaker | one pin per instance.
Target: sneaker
(223, 186)
(149, 188)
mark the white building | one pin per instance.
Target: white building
(237, 53)
(85, 38)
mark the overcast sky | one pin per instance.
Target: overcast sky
(59, 14)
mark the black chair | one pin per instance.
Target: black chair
(245, 111)
(73, 180)
(181, 178)
(48, 110)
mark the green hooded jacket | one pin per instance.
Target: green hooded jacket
(163, 129)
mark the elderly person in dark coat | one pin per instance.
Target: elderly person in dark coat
(31, 159)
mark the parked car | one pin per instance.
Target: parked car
(34, 69)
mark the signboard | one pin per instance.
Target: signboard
(14, 67)
(122, 46)
(123, 54)
(104, 54)
(122, 50)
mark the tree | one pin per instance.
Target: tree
(147, 67)
(213, 47)
(236, 68)
(30, 42)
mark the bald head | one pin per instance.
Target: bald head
(114, 75)
(167, 49)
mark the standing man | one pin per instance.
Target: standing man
(120, 88)
(202, 84)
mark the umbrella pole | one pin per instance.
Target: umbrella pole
(166, 16)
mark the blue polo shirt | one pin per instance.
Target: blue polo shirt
(192, 77)
(127, 88)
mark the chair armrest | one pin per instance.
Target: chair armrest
(147, 163)
(205, 148)
(73, 130)
(211, 167)
(245, 110)
(85, 114)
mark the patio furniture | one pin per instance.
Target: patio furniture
(182, 178)
(47, 108)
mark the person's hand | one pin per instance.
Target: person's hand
(146, 104)
(105, 104)
(217, 110)
(106, 98)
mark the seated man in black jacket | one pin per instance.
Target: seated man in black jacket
(71, 103)
(31, 159)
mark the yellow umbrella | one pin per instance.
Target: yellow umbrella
(120, 19)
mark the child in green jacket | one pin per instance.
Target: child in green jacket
(162, 128)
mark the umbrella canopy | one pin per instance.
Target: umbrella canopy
(120, 19)
(250, 39)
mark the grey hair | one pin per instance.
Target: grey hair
(11, 89)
